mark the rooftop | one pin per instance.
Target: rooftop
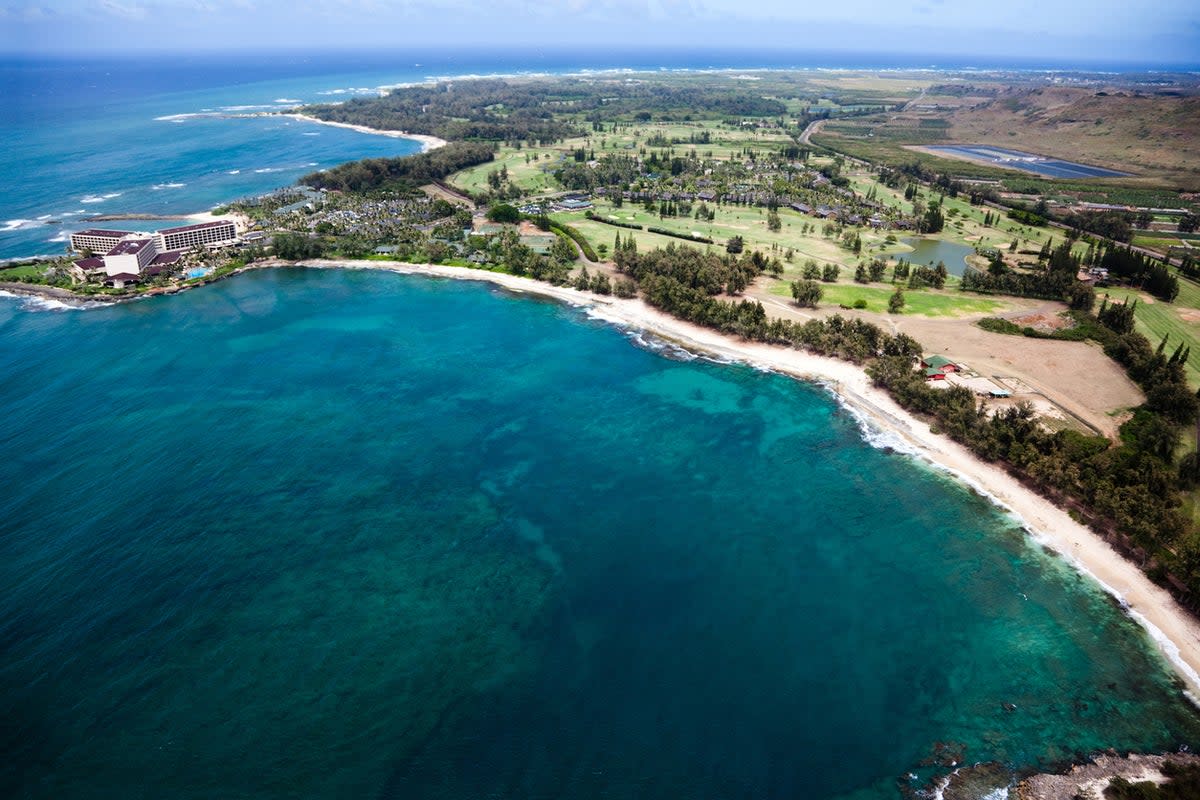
(103, 232)
(128, 247)
(937, 362)
(197, 227)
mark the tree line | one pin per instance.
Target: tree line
(402, 174)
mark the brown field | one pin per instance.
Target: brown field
(1075, 376)
(1153, 137)
(1150, 136)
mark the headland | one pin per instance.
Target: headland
(427, 142)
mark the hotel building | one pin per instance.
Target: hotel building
(126, 254)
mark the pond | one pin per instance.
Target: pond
(928, 252)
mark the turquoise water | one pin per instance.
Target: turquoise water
(348, 534)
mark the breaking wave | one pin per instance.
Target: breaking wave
(40, 303)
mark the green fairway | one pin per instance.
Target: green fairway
(1179, 320)
(534, 176)
(748, 222)
(920, 302)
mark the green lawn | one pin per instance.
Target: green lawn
(18, 273)
(536, 177)
(533, 176)
(749, 223)
(1179, 320)
(921, 302)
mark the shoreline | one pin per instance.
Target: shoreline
(426, 141)
(1175, 633)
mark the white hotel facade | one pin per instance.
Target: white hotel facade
(126, 254)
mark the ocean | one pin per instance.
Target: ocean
(357, 534)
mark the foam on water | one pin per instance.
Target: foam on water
(33, 302)
(185, 116)
(874, 434)
(94, 198)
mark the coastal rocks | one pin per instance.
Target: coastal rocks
(979, 782)
(1088, 781)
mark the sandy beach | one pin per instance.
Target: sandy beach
(1173, 629)
(1176, 633)
(240, 220)
(427, 142)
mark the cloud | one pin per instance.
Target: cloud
(123, 11)
(1052, 29)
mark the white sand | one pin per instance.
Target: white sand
(427, 142)
(1176, 632)
(240, 221)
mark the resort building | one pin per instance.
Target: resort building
(96, 240)
(126, 255)
(188, 236)
(129, 256)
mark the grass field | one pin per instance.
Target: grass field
(19, 273)
(1137, 134)
(1159, 242)
(536, 177)
(922, 302)
(533, 176)
(750, 224)
(1179, 320)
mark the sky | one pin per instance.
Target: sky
(1146, 32)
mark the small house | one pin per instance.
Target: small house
(936, 368)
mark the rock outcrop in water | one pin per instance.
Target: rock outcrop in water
(1088, 781)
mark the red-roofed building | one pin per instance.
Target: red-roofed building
(121, 279)
(91, 265)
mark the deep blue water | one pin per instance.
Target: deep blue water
(349, 534)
